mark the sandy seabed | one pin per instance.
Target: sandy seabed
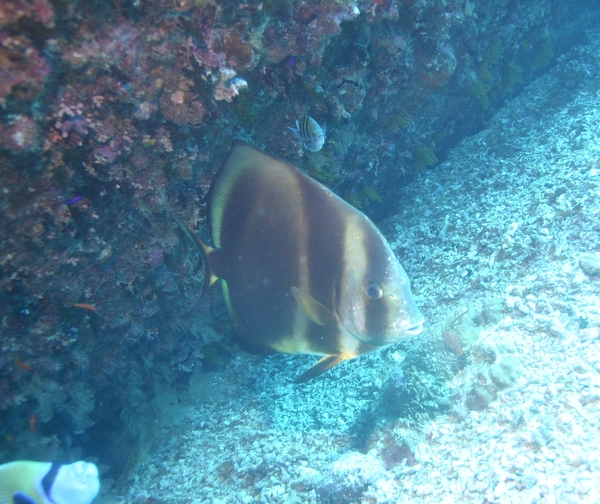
(511, 219)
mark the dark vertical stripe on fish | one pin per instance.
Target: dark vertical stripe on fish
(49, 478)
(257, 277)
(325, 258)
(304, 129)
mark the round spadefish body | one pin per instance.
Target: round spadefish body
(302, 270)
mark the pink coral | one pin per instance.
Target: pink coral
(229, 86)
(20, 134)
(110, 152)
(13, 10)
(308, 32)
(22, 68)
(179, 104)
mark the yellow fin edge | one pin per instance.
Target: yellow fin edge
(320, 367)
(209, 276)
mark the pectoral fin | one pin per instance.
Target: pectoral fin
(314, 310)
(320, 367)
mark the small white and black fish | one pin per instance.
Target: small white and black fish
(309, 133)
(302, 271)
(29, 482)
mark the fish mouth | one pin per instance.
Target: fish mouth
(401, 330)
(405, 330)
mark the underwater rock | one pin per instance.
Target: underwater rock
(501, 374)
(590, 265)
(505, 371)
(348, 478)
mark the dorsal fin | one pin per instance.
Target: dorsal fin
(210, 277)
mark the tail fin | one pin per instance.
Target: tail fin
(207, 252)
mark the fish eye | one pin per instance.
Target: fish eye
(374, 291)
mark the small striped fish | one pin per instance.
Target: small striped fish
(309, 133)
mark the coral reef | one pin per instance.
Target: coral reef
(115, 115)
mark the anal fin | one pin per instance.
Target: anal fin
(320, 367)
